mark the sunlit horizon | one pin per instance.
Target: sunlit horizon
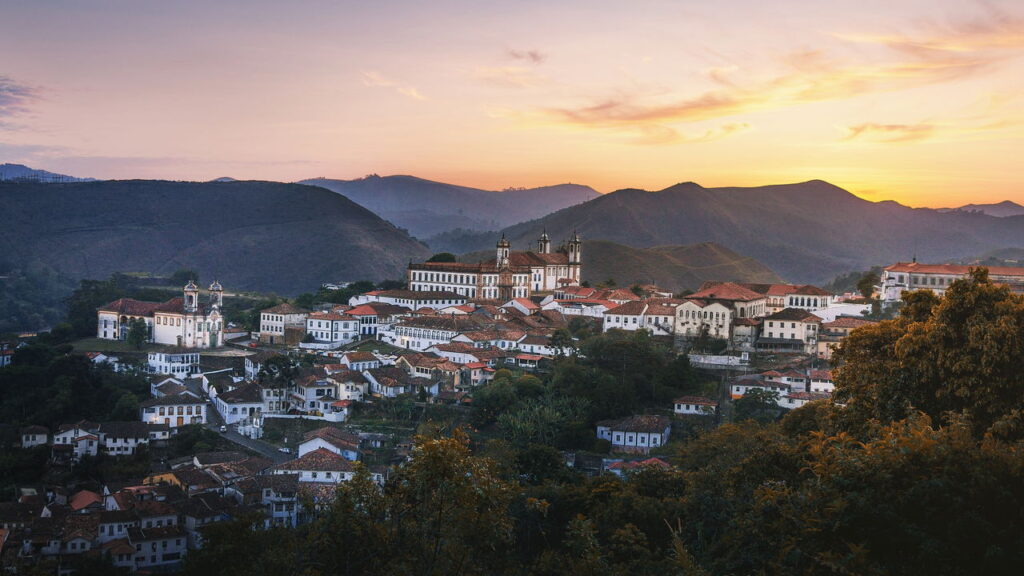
(917, 102)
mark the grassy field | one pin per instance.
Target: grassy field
(114, 346)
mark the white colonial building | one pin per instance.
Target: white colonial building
(183, 322)
(904, 276)
(510, 275)
(635, 433)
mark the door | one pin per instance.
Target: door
(181, 420)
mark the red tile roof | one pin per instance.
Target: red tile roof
(726, 291)
(952, 269)
(319, 460)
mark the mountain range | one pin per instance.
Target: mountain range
(265, 236)
(674, 268)
(808, 232)
(21, 172)
(426, 208)
(1001, 210)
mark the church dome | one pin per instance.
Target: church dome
(191, 286)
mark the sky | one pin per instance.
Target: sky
(921, 102)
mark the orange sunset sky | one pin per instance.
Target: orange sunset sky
(917, 101)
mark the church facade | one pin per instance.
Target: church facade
(510, 275)
(183, 321)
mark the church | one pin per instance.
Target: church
(183, 321)
(509, 275)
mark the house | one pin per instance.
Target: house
(283, 325)
(425, 331)
(509, 275)
(349, 384)
(790, 330)
(6, 354)
(431, 367)
(318, 466)
(697, 405)
(623, 468)
(504, 338)
(834, 332)
(821, 382)
(182, 321)
(655, 316)
(158, 545)
(359, 361)
(99, 359)
(391, 381)
(332, 328)
(589, 308)
(81, 438)
(798, 399)
(179, 362)
(374, 316)
(276, 493)
(34, 436)
(524, 306)
(254, 363)
(174, 411)
(797, 381)
(342, 443)
(904, 276)
(635, 433)
(123, 438)
(244, 402)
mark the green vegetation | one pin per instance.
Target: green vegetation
(920, 472)
(45, 385)
(30, 296)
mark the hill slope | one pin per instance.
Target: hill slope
(807, 232)
(674, 268)
(426, 208)
(1001, 210)
(24, 173)
(266, 236)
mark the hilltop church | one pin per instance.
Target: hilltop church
(183, 321)
(510, 275)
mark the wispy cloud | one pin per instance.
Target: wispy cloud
(889, 132)
(509, 76)
(15, 100)
(531, 56)
(935, 54)
(376, 80)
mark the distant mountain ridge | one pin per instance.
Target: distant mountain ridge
(807, 232)
(1000, 210)
(674, 268)
(265, 236)
(20, 172)
(425, 208)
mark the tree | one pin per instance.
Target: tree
(866, 285)
(183, 276)
(958, 355)
(138, 333)
(442, 257)
(756, 404)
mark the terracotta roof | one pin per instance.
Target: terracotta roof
(284, 308)
(130, 307)
(175, 399)
(634, 308)
(635, 464)
(821, 374)
(952, 269)
(247, 394)
(700, 400)
(641, 423)
(83, 499)
(319, 460)
(329, 316)
(794, 314)
(809, 396)
(847, 322)
(131, 429)
(419, 296)
(359, 356)
(726, 291)
(525, 303)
